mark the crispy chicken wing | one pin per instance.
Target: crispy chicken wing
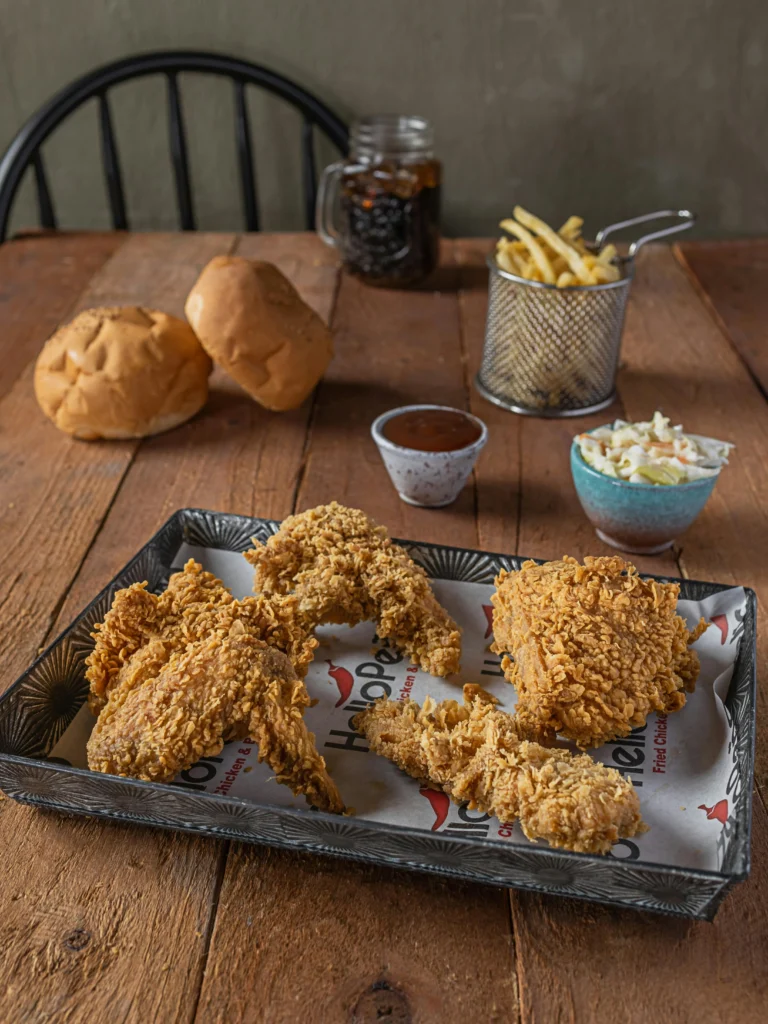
(475, 753)
(596, 648)
(141, 629)
(343, 568)
(175, 676)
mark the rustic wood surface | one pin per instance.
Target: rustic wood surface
(105, 921)
(732, 279)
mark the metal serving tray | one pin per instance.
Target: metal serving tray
(39, 707)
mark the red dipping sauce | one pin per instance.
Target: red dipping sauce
(432, 430)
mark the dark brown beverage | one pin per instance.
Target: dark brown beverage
(380, 207)
(390, 216)
(432, 430)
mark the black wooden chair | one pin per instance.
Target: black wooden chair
(24, 150)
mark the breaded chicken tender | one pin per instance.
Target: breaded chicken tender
(596, 648)
(475, 754)
(343, 568)
(175, 676)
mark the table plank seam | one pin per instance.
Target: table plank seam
(711, 309)
(221, 867)
(55, 627)
(516, 959)
(305, 452)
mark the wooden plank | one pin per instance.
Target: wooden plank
(40, 279)
(732, 278)
(127, 890)
(156, 270)
(308, 938)
(101, 921)
(582, 962)
(299, 938)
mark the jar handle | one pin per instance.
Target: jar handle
(326, 194)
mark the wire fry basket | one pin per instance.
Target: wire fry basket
(554, 351)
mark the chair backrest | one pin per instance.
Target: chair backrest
(24, 150)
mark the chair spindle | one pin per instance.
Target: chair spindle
(245, 157)
(111, 162)
(179, 155)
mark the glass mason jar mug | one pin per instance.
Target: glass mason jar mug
(381, 206)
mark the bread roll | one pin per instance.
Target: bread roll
(253, 323)
(121, 372)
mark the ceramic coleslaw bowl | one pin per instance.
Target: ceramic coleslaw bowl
(641, 519)
(429, 479)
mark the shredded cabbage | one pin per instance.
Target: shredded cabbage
(652, 452)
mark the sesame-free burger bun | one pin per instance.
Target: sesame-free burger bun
(122, 371)
(255, 325)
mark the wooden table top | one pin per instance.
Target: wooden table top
(103, 921)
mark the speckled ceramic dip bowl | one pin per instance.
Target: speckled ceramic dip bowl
(429, 479)
(641, 519)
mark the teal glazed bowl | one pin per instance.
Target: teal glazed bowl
(641, 519)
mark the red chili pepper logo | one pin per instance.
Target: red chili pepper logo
(721, 621)
(344, 680)
(719, 812)
(440, 804)
(488, 609)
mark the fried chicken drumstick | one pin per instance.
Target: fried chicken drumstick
(343, 568)
(474, 753)
(175, 676)
(596, 648)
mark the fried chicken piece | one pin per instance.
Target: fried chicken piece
(596, 648)
(475, 754)
(141, 629)
(175, 676)
(343, 568)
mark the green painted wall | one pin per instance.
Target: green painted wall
(601, 108)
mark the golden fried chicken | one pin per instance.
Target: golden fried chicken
(474, 753)
(596, 648)
(343, 568)
(141, 629)
(175, 676)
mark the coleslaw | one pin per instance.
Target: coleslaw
(652, 452)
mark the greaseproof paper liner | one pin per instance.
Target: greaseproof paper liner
(679, 763)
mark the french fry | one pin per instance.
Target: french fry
(508, 260)
(574, 260)
(537, 253)
(505, 262)
(561, 258)
(603, 272)
(571, 230)
(558, 265)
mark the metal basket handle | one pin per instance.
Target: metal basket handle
(687, 219)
